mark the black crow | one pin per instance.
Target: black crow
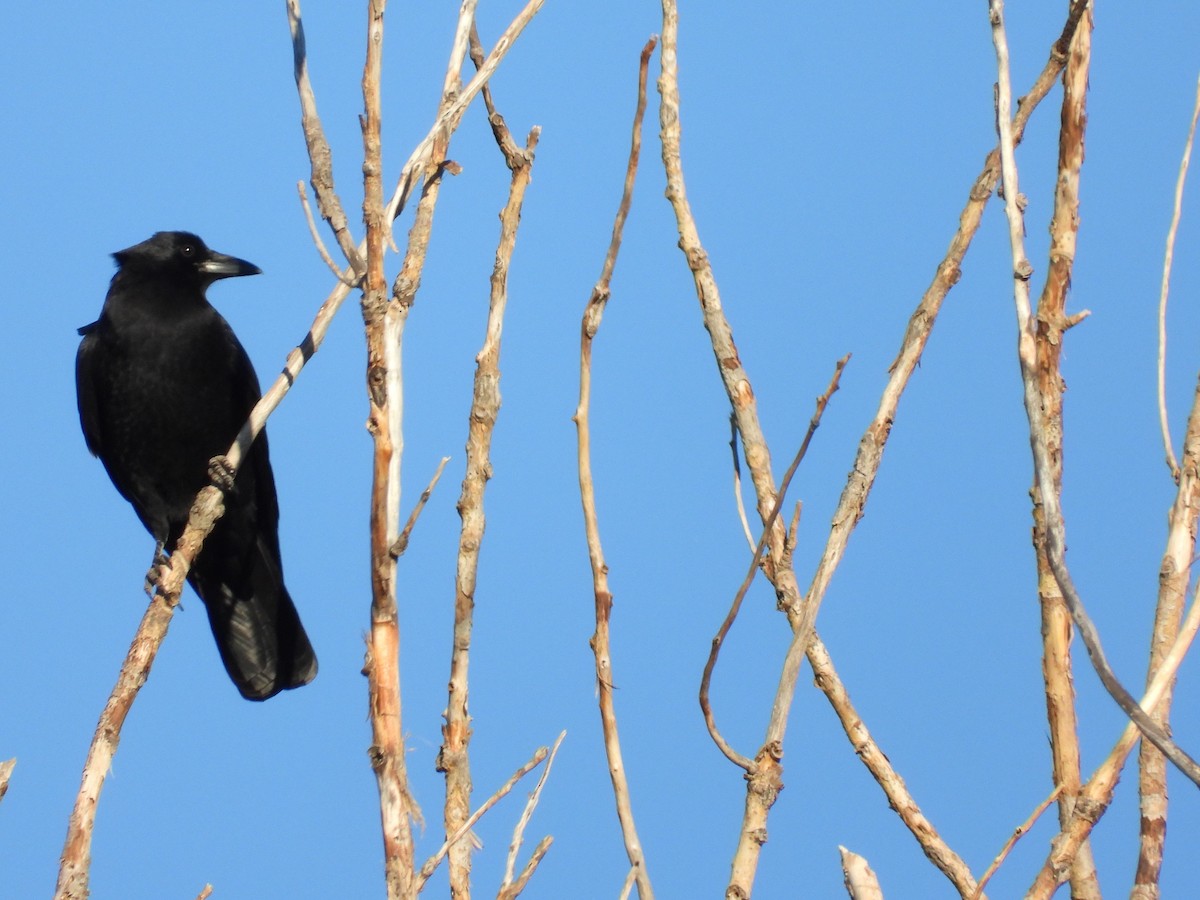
(163, 386)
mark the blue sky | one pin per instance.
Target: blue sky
(827, 156)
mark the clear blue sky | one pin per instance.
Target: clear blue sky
(828, 153)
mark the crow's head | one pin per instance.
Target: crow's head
(182, 256)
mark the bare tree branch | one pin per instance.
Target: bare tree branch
(764, 779)
(1019, 832)
(881, 769)
(401, 545)
(384, 393)
(1168, 258)
(453, 758)
(75, 864)
(1052, 324)
(765, 782)
(600, 642)
(317, 242)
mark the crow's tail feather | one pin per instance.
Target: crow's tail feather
(262, 643)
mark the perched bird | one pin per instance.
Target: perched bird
(163, 386)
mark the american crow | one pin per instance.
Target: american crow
(163, 386)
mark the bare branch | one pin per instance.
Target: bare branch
(320, 244)
(205, 892)
(401, 544)
(453, 758)
(1052, 324)
(75, 864)
(384, 393)
(765, 783)
(1019, 832)
(600, 643)
(881, 769)
(1168, 258)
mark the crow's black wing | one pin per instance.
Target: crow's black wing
(86, 363)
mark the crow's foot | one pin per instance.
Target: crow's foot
(154, 575)
(221, 473)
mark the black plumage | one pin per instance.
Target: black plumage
(163, 386)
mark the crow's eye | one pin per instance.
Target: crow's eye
(187, 251)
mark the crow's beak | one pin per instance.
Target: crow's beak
(218, 265)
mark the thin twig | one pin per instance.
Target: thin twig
(431, 864)
(1168, 257)
(320, 244)
(600, 642)
(509, 147)
(1019, 832)
(205, 892)
(453, 757)
(401, 544)
(518, 836)
(1043, 465)
(756, 561)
